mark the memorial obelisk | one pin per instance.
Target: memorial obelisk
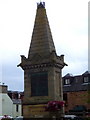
(42, 68)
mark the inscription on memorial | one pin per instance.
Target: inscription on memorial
(39, 84)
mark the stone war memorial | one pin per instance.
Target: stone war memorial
(43, 95)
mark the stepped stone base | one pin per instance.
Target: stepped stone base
(38, 111)
(34, 111)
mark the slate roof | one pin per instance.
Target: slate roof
(68, 75)
(86, 73)
(16, 101)
(76, 83)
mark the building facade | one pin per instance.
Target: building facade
(16, 98)
(6, 104)
(76, 91)
(10, 102)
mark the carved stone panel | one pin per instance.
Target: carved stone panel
(39, 84)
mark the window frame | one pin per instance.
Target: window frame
(67, 81)
(85, 79)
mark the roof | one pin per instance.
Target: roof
(16, 101)
(69, 75)
(9, 91)
(76, 84)
(86, 73)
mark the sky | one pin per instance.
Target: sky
(68, 21)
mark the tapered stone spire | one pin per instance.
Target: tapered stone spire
(42, 41)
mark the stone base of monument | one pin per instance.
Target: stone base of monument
(34, 111)
(57, 114)
(39, 111)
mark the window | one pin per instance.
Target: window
(65, 97)
(85, 79)
(17, 107)
(67, 81)
(76, 80)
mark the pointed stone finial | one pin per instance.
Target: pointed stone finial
(41, 5)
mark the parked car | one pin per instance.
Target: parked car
(19, 118)
(69, 117)
(5, 116)
(72, 117)
(1, 117)
(79, 108)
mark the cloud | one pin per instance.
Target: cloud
(13, 76)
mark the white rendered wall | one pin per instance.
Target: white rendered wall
(7, 105)
(15, 113)
(1, 104)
